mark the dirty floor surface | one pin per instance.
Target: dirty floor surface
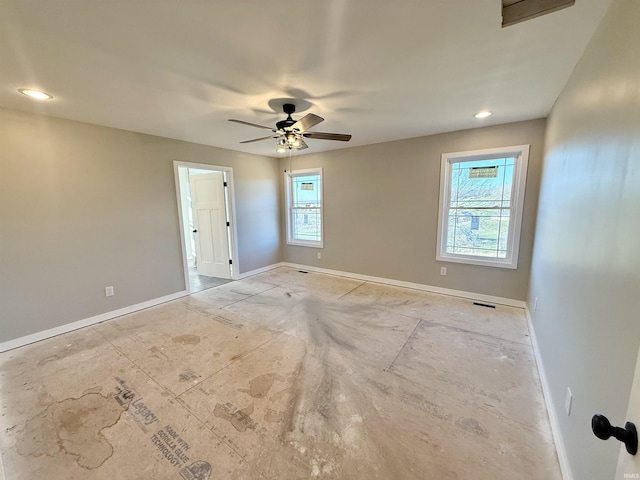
(284, 375)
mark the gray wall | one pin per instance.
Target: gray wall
(381, 210)
(83, 207)
(586, 264)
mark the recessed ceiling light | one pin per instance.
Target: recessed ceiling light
(37, 94)
(483, 114)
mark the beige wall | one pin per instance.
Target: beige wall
(586, 266)
(83, 207)
(381, 210)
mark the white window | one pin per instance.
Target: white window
(481, 201)
(304, 207)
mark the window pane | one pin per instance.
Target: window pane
(479, 212)
(485, 234)
(306, 191)
(306, 224)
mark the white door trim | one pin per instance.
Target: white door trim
(629, 465)
(233, 241)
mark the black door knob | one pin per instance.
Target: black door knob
(603, 429)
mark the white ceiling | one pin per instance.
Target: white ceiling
(379, 70)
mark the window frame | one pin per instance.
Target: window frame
(521, 154)
(288, 180)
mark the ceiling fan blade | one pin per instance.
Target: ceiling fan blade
(258, 139)
(342, 137)
(306, 122)
(302, 145)
(250, 124)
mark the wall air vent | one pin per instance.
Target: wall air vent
(516, 11)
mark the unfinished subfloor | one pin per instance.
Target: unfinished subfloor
(284, 375)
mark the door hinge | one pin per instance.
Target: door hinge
(224, 184)
(230, 262)
(228, 224)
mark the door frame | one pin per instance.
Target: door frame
(629, 465)
(230, 205)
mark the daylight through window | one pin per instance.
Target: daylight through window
(304, 207)
(481, 200)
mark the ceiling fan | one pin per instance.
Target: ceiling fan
(290, 133)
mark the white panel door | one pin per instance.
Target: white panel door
(629, 465)
(210, 224)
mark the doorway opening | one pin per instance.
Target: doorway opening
(207, 221)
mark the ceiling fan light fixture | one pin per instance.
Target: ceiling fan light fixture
(292, 139)
(37, 94)
(483, 114)
(281, 145)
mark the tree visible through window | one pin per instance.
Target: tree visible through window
(481, 199)
(304, 207)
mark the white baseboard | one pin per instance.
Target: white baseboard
(565, 467)
(52, 332)
(416, 286)
(251, 273)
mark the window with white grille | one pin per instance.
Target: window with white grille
(303, 190)
(481, 202)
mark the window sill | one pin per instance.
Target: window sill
(300, 243)
(489, 262)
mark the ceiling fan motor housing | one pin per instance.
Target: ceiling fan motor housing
(288, 108)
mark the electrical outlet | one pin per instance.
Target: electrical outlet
(108, 291)
(535, 304)
(567, 401)
(443, 270)
(319, 255)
